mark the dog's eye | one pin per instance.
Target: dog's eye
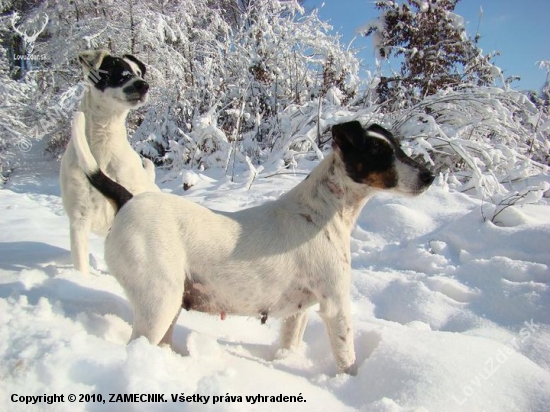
(125, 77)
(380, 148)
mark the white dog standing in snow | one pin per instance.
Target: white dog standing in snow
(115, 85)
(277, 259)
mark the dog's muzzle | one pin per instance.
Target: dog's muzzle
(426, 177)
(136, 90)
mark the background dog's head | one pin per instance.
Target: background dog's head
(117, 82)
(372, 156)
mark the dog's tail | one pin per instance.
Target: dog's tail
(113, 191)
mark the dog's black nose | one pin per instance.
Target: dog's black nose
(427, 177)
(141, 86)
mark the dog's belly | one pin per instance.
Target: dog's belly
(208, 299)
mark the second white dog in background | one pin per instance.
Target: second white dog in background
(116, 85)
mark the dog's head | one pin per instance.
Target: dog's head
(115, 81)
(372, 156)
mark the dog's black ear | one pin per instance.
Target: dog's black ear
(91, 59)
(138, 62)
(349, 135)
(376, 128)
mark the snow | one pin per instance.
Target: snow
(450, 311)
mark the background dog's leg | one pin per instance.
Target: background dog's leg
(336, 315)
(80, 231)
(292, 330)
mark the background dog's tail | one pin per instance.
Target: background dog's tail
(108, 187)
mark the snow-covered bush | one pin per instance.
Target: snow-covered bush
(237, 85)
(262, 82)
(486, 136)
(238, 64)
(444, 102)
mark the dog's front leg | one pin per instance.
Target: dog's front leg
(335, 312)
(80, 230)
(149, 168)
(292, 330)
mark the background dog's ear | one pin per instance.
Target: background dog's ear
(136, 61)
(91, 59)
(349, 135)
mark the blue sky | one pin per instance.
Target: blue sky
(520, 30)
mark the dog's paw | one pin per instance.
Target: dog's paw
(79, 119)
(283, 353)
(350, 370)
(286, 353)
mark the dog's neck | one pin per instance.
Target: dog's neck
(103, 124)
(334, 193)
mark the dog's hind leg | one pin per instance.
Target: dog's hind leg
(167, 339)
(80, 231)
(155, 311)
(292, 330)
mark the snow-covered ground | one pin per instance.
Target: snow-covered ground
(451, 313)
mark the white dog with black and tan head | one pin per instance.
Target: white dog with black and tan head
(277, 259)
(115, 85)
